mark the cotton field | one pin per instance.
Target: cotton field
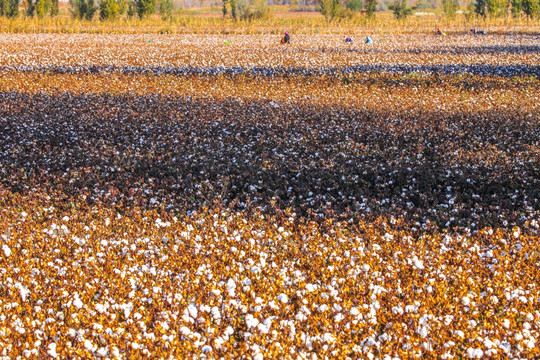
(177, 197)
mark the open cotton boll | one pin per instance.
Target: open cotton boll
(6, 250)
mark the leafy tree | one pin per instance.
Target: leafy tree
(31, 8)
(82, 9)
(42, 8)
(497, 8)
(9, 8)
(450, 8)
(108, 9)
(480, 8)
(166, 8)
(145, 8)
(531, 8)
(122, 7)
(355, 5)
(54, 8)
(400, 9)
(131, 8)
(517, 8)
(371, 6)
(249, 10)
(234, 13)
(224, 8)
(329, 8)
(91, 9)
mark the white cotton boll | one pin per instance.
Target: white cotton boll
(447, 356)
(102, 352)
(107, 222)
(89, 346)
(231, 287)
(530, 343)
(488, 344)
(258, 356)
(365, 268)
(51, 350)
(409, 308)
(323, 308)
(206, 349)
(505, 346)
(423, 331)
(354, 311)
(506, 323)
(460, 333)
(338, 317)
(185, 331)
(251, 321)
(310, 288)
(283, 298)
(328, 338)
(6, 250)
(418, 264)
(192, 309)
(397, 310)
(77, 303)
(466, 301)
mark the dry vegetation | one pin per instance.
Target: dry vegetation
(182, 197)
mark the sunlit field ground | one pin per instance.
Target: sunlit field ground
(176, 196)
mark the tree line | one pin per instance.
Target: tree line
(87, 9)
(251, 9)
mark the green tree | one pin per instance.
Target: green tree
(531, 8)
(31, 8)
(42, 8)
(400, 9)
(82, 9)
(108, 9)
(355, 5)
(234, 12)
(122, 7)
(329, 8)
(517, 8)
(450, 8)
(9, 8)
(131, 8)
(54, 8)
(497, 8)
(146, 8)
(166, 8)
(480, 8)
(370, 6)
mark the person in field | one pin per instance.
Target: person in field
(368, 40)
(440, 32)
(347, 39)
(286, 38)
